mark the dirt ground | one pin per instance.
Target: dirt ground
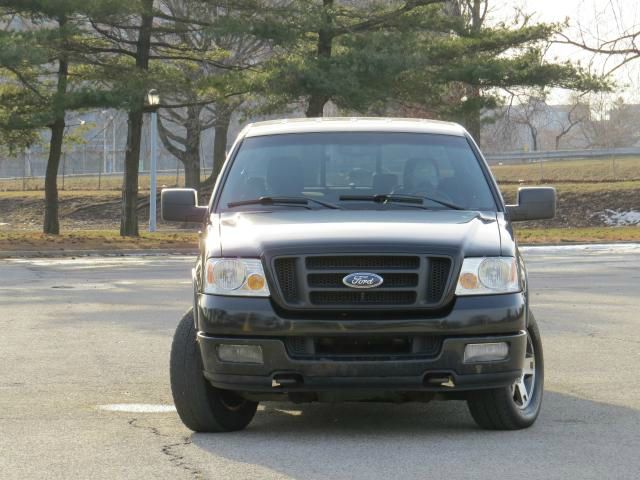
(579, 205)
(585, 205)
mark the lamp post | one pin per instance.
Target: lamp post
(153, 102)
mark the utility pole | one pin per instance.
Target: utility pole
(113, 149)
(153, 102)
(104, 148)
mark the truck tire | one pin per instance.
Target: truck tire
(202, 407)
(507, 408)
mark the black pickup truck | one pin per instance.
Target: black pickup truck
(357, 259)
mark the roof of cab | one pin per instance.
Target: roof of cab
(355, 124)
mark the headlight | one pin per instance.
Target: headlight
(235, 276)
(486, 276)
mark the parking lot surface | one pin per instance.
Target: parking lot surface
(84, 388)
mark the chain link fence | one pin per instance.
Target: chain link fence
(92, 167)
(86, 167)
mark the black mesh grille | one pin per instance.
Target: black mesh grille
(286, 272)
(334, 280)
(363, 298)
(363, 347)
(364, 262)
(438, 276)
(427, 345)
(298, 346)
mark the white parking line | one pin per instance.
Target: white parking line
(137, 408)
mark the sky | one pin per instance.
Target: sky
(595, 19)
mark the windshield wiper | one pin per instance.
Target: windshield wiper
(392, 197)
(300, 201)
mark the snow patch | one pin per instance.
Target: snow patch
(618, 218)
(596, 248)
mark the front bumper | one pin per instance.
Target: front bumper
(390, 375)
(253, 321)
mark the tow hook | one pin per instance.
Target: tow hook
(439, 380)
(449, 383)
(286, 380)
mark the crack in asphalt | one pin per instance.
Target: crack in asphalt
(168, 449)
(599, 336)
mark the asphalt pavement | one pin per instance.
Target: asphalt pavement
(84, 389)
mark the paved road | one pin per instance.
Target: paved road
(81, 333)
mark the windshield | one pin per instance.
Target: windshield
(356, 170)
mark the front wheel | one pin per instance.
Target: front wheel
(201, 407)
(516, 406)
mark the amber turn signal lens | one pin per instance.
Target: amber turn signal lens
(209, 273)
(255, 281)
(468, 281)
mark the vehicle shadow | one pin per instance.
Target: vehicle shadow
(573, 438)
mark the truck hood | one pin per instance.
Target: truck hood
(252, 234)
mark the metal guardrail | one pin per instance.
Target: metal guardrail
(509, 157)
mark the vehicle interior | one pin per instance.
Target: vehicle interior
(330, 166)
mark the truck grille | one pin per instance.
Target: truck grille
(363, 298)
(363, 348)
(315, 282)
(438, 276)
(355, 262)
(286, 272)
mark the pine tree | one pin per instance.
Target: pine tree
(142, 47)
(38, 51)
(420, 56)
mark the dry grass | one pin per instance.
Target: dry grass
(110, 183)
(556, 236)
(566, 171)
(110, 240)
(63, 194)
(596, 170)
(104, 240)
(509, 190)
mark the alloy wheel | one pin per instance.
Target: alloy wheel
(523, 389)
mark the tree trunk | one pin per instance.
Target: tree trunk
(473, 121)
(129, 216)
(191, 174)
(191, 157)
(316, 105)
(51, 223)
(220, 144)
(219, 147)
(534, 138)
(317, 100)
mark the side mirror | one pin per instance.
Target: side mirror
(181, 205)
(534, 203)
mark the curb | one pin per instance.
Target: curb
(94, 253)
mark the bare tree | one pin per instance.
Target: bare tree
(577, 114)
(528, 111)
(617, 48)
(611, 124)
(210, 93)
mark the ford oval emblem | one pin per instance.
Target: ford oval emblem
(362, 280)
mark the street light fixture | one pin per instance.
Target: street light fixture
(153, 102)
(153, 98)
